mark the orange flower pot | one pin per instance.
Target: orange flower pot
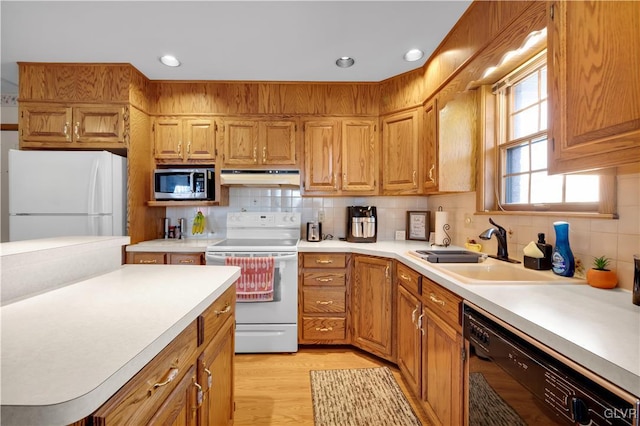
(602, 278)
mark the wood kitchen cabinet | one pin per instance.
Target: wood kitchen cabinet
(168, 258)
(430, 146)
(72, 126)
(184, 140)
(215, 374)
(409, 327)
(189, 383)
(341, 156)
(593, 80)
(452, 118)
(373, 306)
(258, 142)
(324, 298)
(443, 366)
(401, 165)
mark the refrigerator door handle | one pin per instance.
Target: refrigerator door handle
(93, 188)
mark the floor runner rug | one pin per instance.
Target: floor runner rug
(359, 397)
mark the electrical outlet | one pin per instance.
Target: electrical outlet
(400, 235)
(320, 215)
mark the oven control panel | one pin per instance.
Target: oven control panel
(263, 220)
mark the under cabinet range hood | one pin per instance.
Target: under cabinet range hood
(260, 177)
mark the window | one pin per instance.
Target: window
(521, 116)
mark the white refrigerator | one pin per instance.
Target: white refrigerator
(66, 193)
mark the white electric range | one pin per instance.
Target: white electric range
(263, 243)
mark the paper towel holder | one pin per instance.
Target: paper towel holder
(446, 241)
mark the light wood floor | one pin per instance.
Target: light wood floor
(275, 389)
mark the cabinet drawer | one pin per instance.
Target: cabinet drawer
(324, 278)
(324, 260)
(148, 258)
(186, 258)
(140, 398)
(214, 317)
(441, 301)
(316, 300)
(409, 278)
(324, 328)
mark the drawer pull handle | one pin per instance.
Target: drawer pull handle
(186, 261)
(148, 262)
(209, 378)
(404, 277)
(173, 373)
(434, 299)
(324, 261)
(328, 302)
(226, 310)
(324, 329)
(324, 280)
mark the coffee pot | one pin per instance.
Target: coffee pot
(362, 225)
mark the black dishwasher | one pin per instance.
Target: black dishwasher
(514, 380)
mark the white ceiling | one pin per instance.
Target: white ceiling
(227, 40)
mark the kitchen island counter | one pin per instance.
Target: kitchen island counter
(598, 329)
(67, 351)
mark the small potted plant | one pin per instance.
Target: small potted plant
(601, 277)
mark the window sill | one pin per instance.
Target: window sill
(586, 215)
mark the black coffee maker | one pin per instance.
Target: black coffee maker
(362, 224)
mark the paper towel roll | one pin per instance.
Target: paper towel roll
(442, 218)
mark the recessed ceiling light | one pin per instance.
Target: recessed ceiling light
(345, 62)
(170, 61)
(413, 55)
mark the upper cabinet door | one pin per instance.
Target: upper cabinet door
(359, 156)
(45, 123)
(594, 58)
(321, 151)
(278, 140)
(200, 139)
(400, 153)
(101, 124)
(167, 138)
(240, 142)
(430, 142)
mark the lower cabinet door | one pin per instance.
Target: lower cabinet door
(442, 384)
(409, 331)
(215, 372)
(181, 406)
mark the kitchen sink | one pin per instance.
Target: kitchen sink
(496, 272)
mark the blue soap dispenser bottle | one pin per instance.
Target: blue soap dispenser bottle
(563, 263)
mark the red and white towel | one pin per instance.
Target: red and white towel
(256, 278)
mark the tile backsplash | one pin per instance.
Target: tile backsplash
(617, 239)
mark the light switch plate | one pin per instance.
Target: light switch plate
(400, 235)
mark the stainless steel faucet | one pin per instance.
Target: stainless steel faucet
(501, 236)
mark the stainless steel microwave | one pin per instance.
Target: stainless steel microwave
(184, 184)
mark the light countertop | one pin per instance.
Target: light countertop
(66, 351)
(174, 245)
(598, 329)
